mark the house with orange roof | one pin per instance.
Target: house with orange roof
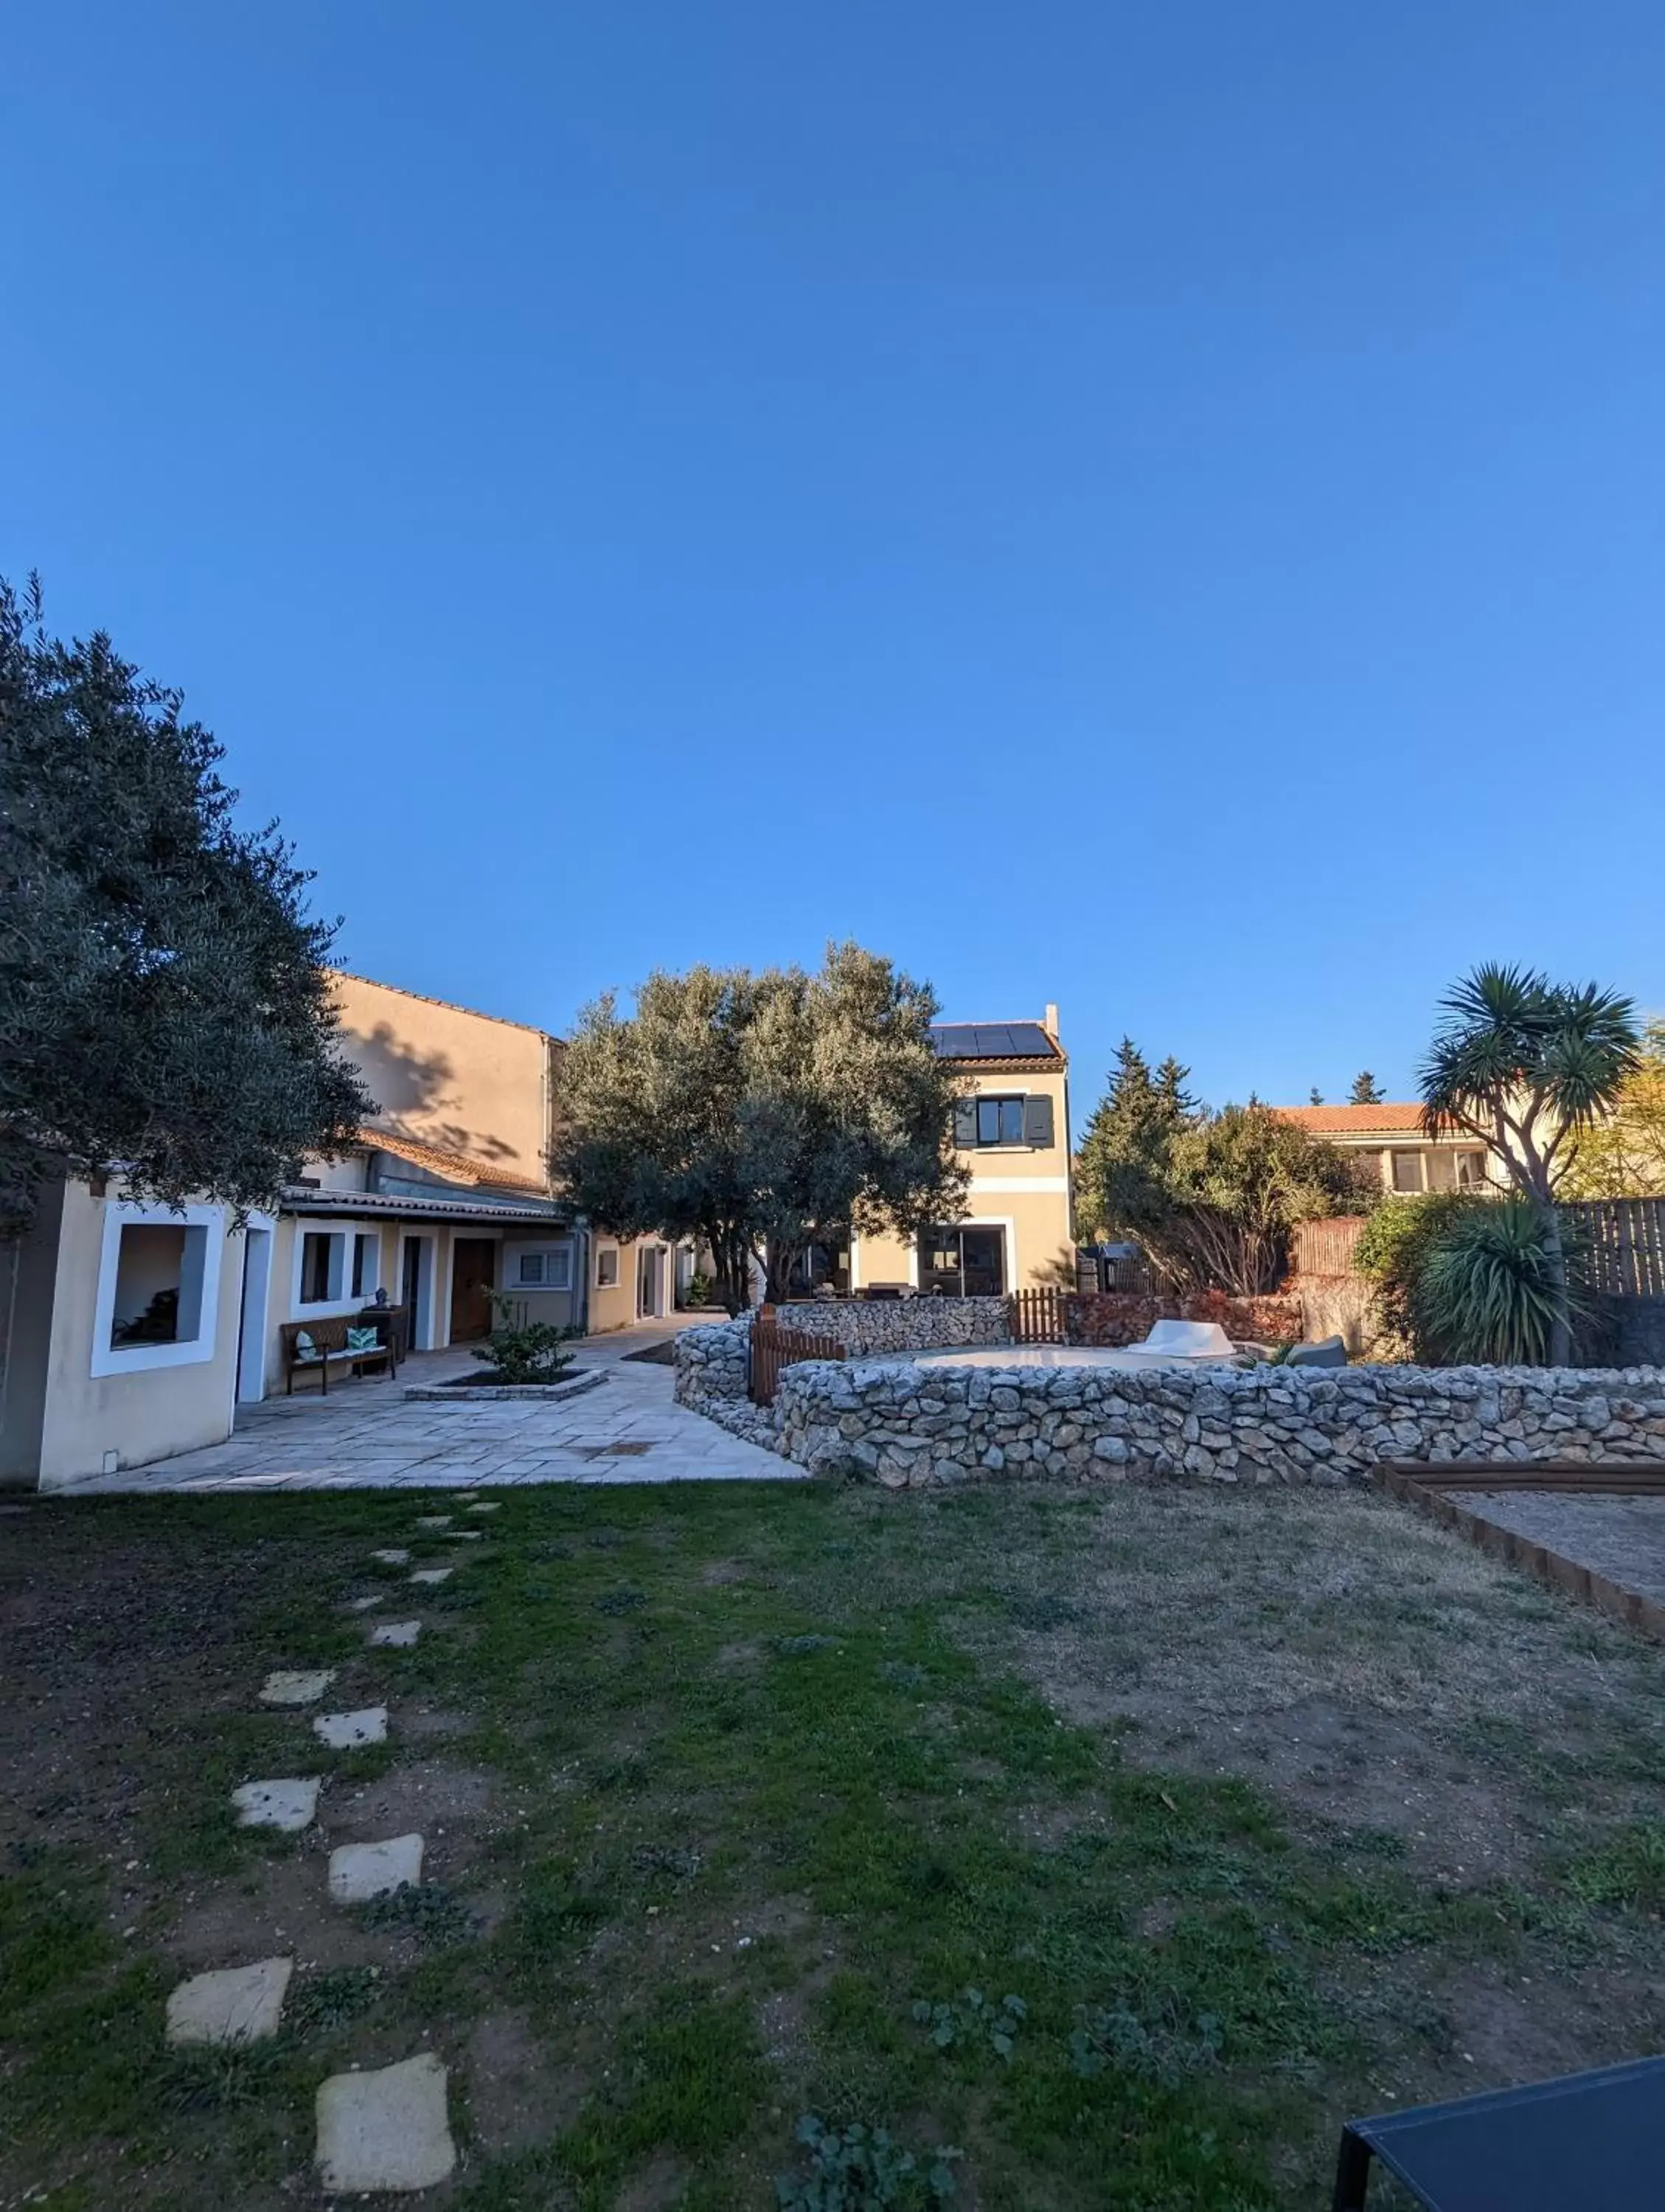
(1391, 1137)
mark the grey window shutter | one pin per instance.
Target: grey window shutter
(965, 1122)
(1038, 1121)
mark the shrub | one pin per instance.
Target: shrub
(1393, 1249)
(1486, 1291)
(526, 1352)
(1461, 1279)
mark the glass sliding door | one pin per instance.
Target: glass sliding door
(962, 1263)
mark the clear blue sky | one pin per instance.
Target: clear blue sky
(1160, 508)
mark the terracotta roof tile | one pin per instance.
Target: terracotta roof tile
(1392, 1118)
(455, 1167)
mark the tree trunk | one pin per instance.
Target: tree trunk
(1555, 1258)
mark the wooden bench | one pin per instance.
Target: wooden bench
(313, 1347)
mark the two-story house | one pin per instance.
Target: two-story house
(1011, 1132)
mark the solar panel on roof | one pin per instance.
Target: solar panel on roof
(993, 1041)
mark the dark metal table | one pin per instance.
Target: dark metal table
(1589, 2142)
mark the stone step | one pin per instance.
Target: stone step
(234, 2004)
(347, 1731)
(296, 1685)
(360, 1871)
(289, 1803)
(385, 2128)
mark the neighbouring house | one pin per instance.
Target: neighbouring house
(1011, 1130)
(131, 1332)
(1392, 1140)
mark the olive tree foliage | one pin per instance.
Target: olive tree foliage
(165, 1008)
(762, 1113)
(1623, 1156)
(1213, 1198)
(1530, 1068)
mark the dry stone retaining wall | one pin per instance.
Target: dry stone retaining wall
(906, 1424)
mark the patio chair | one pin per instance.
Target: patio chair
(1595, 2142)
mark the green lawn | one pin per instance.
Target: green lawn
(748, 1806)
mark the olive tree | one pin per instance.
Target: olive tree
(761, 1112)
(165, 1008)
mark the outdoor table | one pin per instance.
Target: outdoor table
(1587, 2143)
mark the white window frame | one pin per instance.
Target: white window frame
(560, 1248)
(341, 1269)
(609, 1252)
(372, 1238)
(136, 1358)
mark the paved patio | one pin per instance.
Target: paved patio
(368, 1434)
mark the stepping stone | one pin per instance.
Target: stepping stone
(401, 1634)
(239, 2004)
(431, 1575)
(359, 1871)
(392, 1557)
(366, 1604)
(484, 1509)
(434, 1521)
(466, 1496)
(346, 1731)
(293, 1686)
(290, 1805)
(462, 1535)
(384, 2130)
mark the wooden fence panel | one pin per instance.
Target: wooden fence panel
(774, 1348)
(1038, 1316)
(1327, 1247)
(1623, 1244)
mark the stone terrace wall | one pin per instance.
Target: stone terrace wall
(909, 1424)
(880, 1325)
(711, 1379)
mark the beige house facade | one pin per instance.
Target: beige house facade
(1012, 1133)
(1391, 1139)
(131, 1332)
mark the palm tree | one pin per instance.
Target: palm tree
(1524, 1065)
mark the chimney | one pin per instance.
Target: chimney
(1052, 1021)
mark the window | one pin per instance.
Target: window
(981, 1123)
(549, 1269)
(321, 1257)
(158, 1288)
(1471, 1170)
(607, 1266)
(1407, 1171)
(159, 1284)
(1442, 1169)
(366, 1264)
(962, 1263)
(999, 1121)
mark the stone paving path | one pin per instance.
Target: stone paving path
(379, 2129)
(369, 1434)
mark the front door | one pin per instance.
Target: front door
(473, 1272)
(648, 1281)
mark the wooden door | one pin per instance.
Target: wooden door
(473, 1272)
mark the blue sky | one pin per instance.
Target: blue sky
(1158, 509)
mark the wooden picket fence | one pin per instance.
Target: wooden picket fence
(1039, 1316)
(774, 1347)
(1622, 1244)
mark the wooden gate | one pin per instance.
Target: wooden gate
(774, 1347)
(1038, 1316)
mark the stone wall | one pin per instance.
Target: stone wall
(711, 1379)
(1114, 1318)
(881, 1325)
(906, 1424)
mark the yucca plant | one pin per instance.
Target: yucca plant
(1489, 1288)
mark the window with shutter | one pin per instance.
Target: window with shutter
(1038, 1121)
